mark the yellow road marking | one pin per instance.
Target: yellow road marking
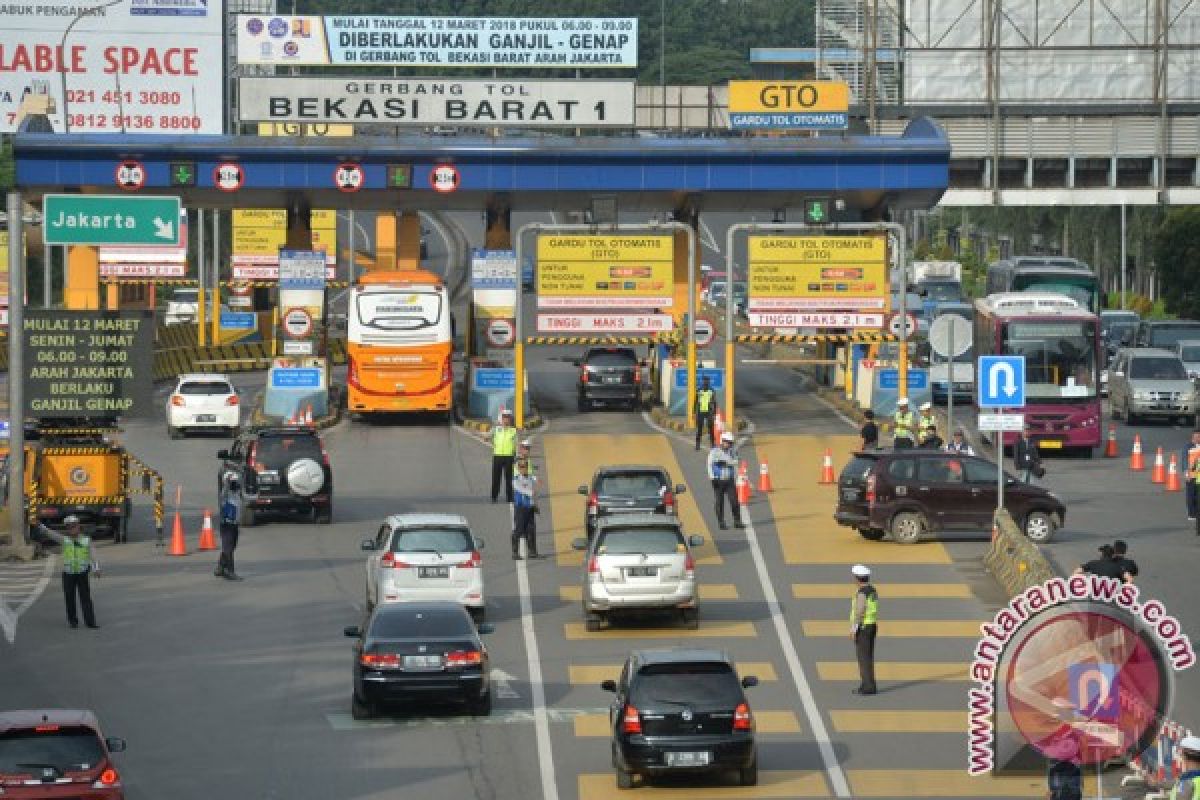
(774, 784)
(571, 459)
(851, 721)
(708, 630)
(803, 509)
(898, 628)
(894, 671)
(765, 722)
(708, 591)
(839, 591)
(946, 783)
(588, 674)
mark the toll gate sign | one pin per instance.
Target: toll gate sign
(88, 364)
(589, 272)
(818, 273)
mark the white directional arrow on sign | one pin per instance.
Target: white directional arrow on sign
(163, 229)
(1009, 384)
(503, 682)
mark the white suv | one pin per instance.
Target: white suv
(182, 307)
(203, 401)
(639, 562)
(425, 558)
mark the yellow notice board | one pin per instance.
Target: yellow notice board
(260, 232)
(776, 97)
(617, 271)
(831, 273)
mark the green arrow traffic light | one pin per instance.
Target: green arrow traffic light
(816, 211)
(183, 173)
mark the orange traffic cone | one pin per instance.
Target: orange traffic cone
(745, 473)
(1136, 462)
(1173, 484)
(1159, 473)
(764, 477)
(718, 426)
(308, 417)
(1110, 447)
(178, 546)
(827, 467)
(743, 489)
(208, 541)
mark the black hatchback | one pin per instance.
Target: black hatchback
(610, 375)
(419, 652)
(628, 488)
(680, 711)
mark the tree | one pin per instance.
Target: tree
(1177, 259)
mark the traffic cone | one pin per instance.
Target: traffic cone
(827, 468)
(1136, 462)
(764, 477)
(208, 541)
(1159, 473)
(743, 489)
(718, 426)
(308, 417)
(1110, 447)
(744, 471)
(178, 546)
(1173, 484)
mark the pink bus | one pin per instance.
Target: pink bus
(1061, 342)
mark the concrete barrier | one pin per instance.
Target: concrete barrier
(1015, 562)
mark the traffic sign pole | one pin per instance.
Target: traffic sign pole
(18, 526)
(691, 331)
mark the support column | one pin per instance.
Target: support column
(686, 300)
(385, 242)
(18, 526)
(82, 292)
(498, 235)
(408, 240)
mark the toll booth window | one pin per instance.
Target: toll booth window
(399, 311)
(282, 449)
(1060, 358)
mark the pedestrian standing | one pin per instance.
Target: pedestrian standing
(706, 410)
(927, 429)
(1191, 457)
(230, 503)
(1027, 458)
(1188, 785)
(903, 426)
(958, 444)
(1128, 566)
(504, 450)
(864, 613)
(524, 485)
(722, 469)
(869, 432)
(79, 561)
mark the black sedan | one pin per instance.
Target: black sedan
(628, 488)
(419, 651)
(681, 710)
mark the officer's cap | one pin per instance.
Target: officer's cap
(726, 437)
(926, 406)
(506, 413)
(1190, 745)
(860, 571)
(903, 401)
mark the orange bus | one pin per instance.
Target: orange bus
(399, 344)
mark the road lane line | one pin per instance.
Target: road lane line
(575, 631)
(8, 618)
(906, 591)
(912, 721)
(541, 722)
(773, 784)
(909, 671)
(589, 674)
(900, 628)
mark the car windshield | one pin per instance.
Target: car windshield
(277, 449)
(710, 683)
(185, 296)
(64, 748)
(1168, 335)
(1190, 352)
(651, 541)
(205, 387)
(397, 622)
(440, 540)
(942, 292)
(631, 484)
(1060, 358)
(611, 358)
(1157, 369)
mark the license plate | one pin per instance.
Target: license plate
(269, 476)
(433, 572)
(698, 759)
(1050, 444)
(419, 663)
(206, 418)
(641, 572)
(612, 378)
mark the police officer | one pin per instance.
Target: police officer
(1188, 786)
(229, 503)
(706, 409)
(722, 469)
(958, 444)
(903, 425)
(504, 449)
(1026, 457)
(79, 560)
(1191, 457)
(524, 485)
(864, 612)
(927, 428)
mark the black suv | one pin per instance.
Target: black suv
(283, 469)
(681, 710)
(628, 488)
(610, 375)
(910, 492)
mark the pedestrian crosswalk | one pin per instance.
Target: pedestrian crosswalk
(21, 583)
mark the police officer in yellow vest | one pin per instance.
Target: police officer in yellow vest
(1188, 785)
(903, 425)
(504, 450)
(927, 429)
(79, 560)
(706, 410)
(864, 612)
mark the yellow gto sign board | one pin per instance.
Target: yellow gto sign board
(605, 271)
(825, 273)
(789, 104)
(259, 233)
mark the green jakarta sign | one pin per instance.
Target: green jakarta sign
(110, 219)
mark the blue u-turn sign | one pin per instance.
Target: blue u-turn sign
(1001, 381)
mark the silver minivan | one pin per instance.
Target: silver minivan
(425, 557)
(639, 562)
(1150, 382)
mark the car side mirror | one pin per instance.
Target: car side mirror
(583, 490)
(353, 631)
(222, 454)
(749, 682)
(479, 543)
(367, 544)
(486, 628)
(695, 540)
(579, 544)
(680, 488)
(115, 744)
(609, 685)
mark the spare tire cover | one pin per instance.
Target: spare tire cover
(305, 477)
